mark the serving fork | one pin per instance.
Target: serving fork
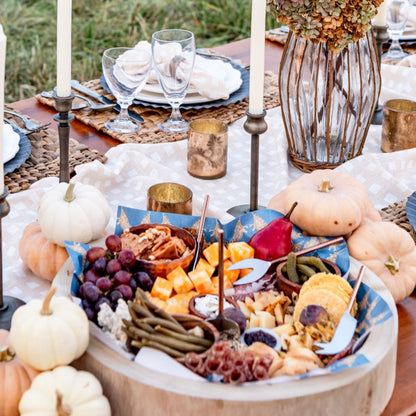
(30, 125)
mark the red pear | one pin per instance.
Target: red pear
(274, 240)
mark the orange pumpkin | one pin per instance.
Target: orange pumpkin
(40, 255)
(15, 377)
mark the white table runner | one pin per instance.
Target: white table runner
(132, 168)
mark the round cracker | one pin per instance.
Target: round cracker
(328, 281)
(333, 303)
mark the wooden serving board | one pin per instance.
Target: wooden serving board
(136, 390)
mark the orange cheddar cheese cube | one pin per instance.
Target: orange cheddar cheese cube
(156, 301)
(240, 251)
(204, 265)
(201, 281)
(162, 288)
(227, 283)
(180, 280)
(231, 275)
(211, 254)
(172, 308)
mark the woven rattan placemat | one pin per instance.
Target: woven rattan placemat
(150, 133)
(44, 159)
(397, 213)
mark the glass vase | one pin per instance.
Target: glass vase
(327, 100)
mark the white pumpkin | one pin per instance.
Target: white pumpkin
(73, 212)
(50, 332)
(65, 391)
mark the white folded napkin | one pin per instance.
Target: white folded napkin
(10, 143)
(397, 82)
(211, 78)
(132, 67)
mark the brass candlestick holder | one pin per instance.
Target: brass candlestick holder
(63, 105)
(8, 304)
(381, 35)
(254, 125)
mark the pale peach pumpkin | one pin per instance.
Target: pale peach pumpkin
(15, 377)
(390, 252)
(40, 255)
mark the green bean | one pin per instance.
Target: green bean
(306, 270)
(174, 326)
(170, 351)
(313, 261)
(291, 268)
(141, 311)
(189, 337)
(143, 325)
(169, 342)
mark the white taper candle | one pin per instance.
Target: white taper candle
(381, 17)
(3, 41)
(63, 48)
(257, 49)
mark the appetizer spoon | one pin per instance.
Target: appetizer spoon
(200, 233)
(260, 267)
(228, 329)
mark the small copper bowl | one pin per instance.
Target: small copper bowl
(190, 321)
(288, 287)
(163, 267)
(195, 312)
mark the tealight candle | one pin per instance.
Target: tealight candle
(257, 46)
(2, 70)
(381, 17)
(63, 49)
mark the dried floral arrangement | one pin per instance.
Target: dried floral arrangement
(336, 22)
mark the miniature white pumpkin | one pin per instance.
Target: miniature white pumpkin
(65, 391)
(73, 212)
(50, 332)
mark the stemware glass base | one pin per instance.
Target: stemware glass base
(395, 54)
(122, 125)
(174, 126)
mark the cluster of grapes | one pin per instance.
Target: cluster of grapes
(111, 274)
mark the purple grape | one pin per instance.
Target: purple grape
(115, 295)
(92, 293)
(113, 243)
(100, 266)
(104, 284)
(122, 277)
(83, 287)
(100, 302)
(127, 258)
(237, 316)
(95, 253)
(133, 285)
(113, 266)
(90, 314)
(144, 281)
(86, 304)
(126, 291)
(91, 276)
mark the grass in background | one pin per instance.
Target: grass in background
(30, 27)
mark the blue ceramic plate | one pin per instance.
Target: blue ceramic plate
(236, 96)
(21, 156)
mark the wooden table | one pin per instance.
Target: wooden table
(403, 401)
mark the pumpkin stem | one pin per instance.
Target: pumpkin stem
(45, 310)
(325, 186)
(61, 408)
(6, 354)
(69, 194)
(392, 264)
(287, 216)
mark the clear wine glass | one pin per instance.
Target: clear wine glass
(126, 71)
(173, 52)
(397, 15)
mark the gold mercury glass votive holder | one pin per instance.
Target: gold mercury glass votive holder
(169, 197)
(207, 148)
(399, 125)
